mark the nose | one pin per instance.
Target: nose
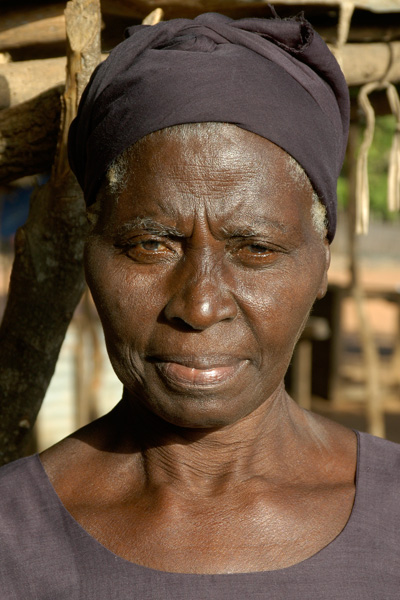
(201, 298)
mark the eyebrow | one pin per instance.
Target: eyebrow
(253, 230)
(150, 225)
(246, 231)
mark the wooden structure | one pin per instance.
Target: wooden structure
(364, 35)
(35, 95)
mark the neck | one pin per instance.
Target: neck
(202, 461)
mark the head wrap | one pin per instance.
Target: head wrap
(273, 77)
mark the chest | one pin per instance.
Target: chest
(259, 533)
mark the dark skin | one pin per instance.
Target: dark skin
(204, 273)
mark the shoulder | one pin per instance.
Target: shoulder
(16, 479)
(379, 466)
(377, 502)
(379, 457)
(22, 520)
(37, 536)
(23, 493)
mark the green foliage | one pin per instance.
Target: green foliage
(342, 190)
(378, 160)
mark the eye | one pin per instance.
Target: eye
(151, 245)
(255, 254)
(149, 250)
(256, 249)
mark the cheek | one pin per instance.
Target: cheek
(128, 301)
(277, 307)
(128, 307)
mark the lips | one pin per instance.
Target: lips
(199, 373)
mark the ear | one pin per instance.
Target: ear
(324, 279)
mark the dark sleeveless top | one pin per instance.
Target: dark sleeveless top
(45, 554)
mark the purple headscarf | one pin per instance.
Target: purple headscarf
(273, 77)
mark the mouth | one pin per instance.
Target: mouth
(199, 373)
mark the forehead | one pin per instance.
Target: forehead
(222, 146)
(230, 172)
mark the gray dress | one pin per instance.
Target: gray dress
(45, 554)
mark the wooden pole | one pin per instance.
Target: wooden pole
(47, 278)
(373, 399)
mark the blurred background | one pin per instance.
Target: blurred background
(347, 363)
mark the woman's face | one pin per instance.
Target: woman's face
(204, 272)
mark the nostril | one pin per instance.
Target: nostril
(189, 313)
(200, 300)
(182, 325)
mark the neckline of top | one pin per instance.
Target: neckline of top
(292, 568)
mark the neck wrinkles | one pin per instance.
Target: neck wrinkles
(205, 463)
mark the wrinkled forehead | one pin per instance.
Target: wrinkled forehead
(232, 175)
(226, 148)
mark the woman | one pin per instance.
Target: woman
(208, 152)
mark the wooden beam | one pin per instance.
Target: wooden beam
(28, 135)
(139, 8)
(45, 31)
(364, 63)
(373, 5)
(361, 63)
(28, 148)
(14, 14)
(21, 81)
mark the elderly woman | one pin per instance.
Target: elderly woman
(208, 151)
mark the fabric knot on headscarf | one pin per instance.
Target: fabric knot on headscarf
(273, 77)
